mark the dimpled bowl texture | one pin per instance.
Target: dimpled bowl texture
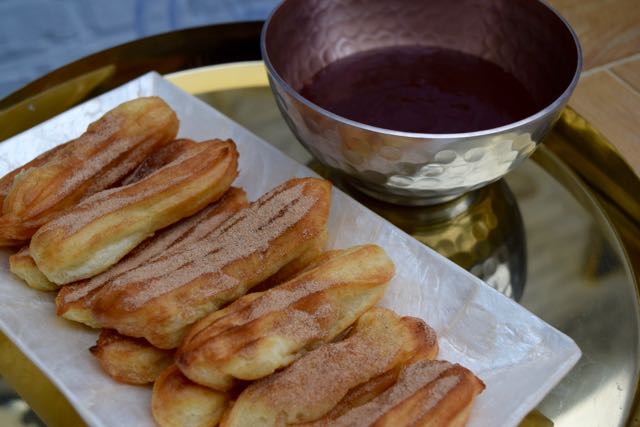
(524, 37)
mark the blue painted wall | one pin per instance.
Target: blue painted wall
(37, 36)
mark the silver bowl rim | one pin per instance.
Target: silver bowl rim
(559, 101)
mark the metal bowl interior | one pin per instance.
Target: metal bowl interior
(524, 37)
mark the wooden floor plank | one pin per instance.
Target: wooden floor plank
(630, 73)
(608, 29)
(613, 108)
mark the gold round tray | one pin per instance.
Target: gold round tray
(561, 237)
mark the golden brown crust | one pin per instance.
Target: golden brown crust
(260, 333)
(7, 181)
(322, 258)
(160, 300)
(298, 265)
(74, 301)
(178, 402)
(108, 151)
(424, 347)
(308, 389)
(93, 235)
(363, 393)
(157, 160)
(22, 265)
(426, 394)
(439, 403)
(130, 360)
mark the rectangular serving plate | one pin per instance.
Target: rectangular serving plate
(518, 356)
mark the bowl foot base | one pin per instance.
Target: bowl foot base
(398, 199)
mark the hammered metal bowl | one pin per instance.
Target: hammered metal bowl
(525, 37)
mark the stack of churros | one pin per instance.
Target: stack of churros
(232, 309)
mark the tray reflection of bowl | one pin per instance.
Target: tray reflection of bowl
(525, 38)
(482, 232)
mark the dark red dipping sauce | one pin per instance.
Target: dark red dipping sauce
(420, 89)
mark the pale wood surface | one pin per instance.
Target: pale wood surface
(613, 108)
(630, 72)
(608, 95)
(608, 29)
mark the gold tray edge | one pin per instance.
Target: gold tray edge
(44, 398)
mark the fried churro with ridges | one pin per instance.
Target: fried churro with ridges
(75, 301)
(161, 299)
(110, 149)
(93, 235)
(22, 264)
(427, 393)
(308, 389)
(6, 182)
(262, 332)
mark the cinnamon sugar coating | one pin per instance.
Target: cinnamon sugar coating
(157, 160)
(75, 301)
(93, 235)
(22, 264)
(262, 332)
(314, 252)
(426, 393)
(380, 342)
(161, 298)
(110, 149)
(6, 182)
